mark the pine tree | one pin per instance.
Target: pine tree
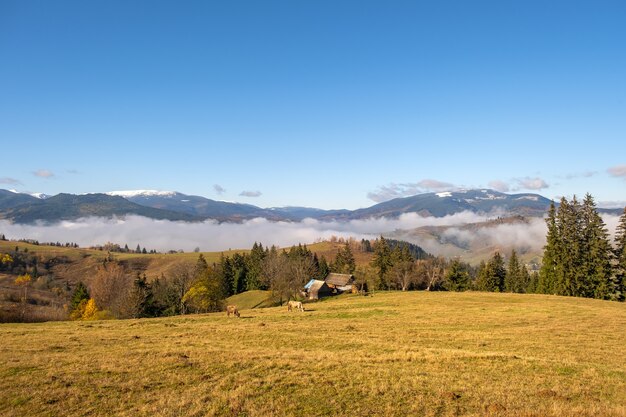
(596, 262)
(254, 264)
(228, 275)
(382, 261)
(323, 268)
(497, 273)
(481, 277)
(80, 293)
(547, 274)
(457, 277)
(514, 280)
(619, 274)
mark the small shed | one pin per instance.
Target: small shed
(340, 282)
(318, 289)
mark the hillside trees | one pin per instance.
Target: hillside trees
(578, 255)
(111, 290)
(517, 278)
(491, 275)
(207, 291)
(344, 261)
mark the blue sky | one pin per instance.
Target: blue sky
(318, 103)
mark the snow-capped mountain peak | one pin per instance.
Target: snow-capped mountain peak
(40, 196)
(142, 193)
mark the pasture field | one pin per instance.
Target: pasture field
(396, 354)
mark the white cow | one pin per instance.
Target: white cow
(295, 304)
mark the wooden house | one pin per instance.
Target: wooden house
(340, 282)
(316, 289)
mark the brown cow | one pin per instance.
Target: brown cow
(233, 310)
(295, 304)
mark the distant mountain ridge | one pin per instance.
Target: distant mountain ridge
(175, 206)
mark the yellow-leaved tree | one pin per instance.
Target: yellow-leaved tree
(88, 310)
(24, 281)
(5, 259)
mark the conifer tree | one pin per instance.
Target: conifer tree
(323, 268)
(619, 275)
(382, 261)
(457, 277)
(547, 274)
(80, 293)
(596, 261)
(497, 273)
(481, 277)
(513, 281)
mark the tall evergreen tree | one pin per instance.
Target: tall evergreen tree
(547, 275)
(497, 273)
(457, 277)
(619, 275)
(597, 254)
(515, 280)
(382, 261)
(323, 269)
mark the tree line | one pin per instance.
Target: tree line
(578, 258)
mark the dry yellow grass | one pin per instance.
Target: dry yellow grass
(432, 354)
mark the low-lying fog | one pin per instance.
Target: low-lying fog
(164, 235)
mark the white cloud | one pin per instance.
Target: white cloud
(10, 181)
(498, 185)
(43, 173)
(250, 194)
(214, 236)
(219, 189)
(618, 171)
(585, 174)
(528, 183)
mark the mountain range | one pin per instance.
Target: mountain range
(171, 205)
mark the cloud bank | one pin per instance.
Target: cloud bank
(164, 235)
(250, 194)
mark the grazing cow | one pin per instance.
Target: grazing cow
(295, 304)
(232, 310)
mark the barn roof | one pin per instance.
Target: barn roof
(339, 280)
(316, 285)
(308, 284)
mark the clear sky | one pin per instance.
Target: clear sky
(332, 104)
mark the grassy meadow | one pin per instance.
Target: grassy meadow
(417, 353)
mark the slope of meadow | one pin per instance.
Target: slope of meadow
(418, 353)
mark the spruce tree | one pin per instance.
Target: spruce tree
(80, 293)
(457, 277)
(496, 273)
(482, 276)
(547, 274)
(323, 268)
(513, 281)
(596, 260)
(382, 261)
(619, 274)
